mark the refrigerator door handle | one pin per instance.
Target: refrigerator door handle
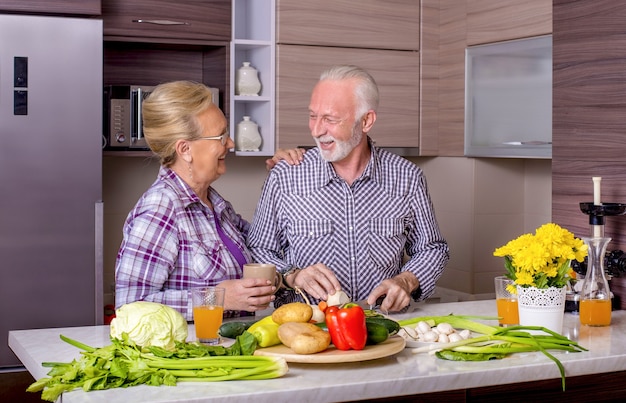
(99, 263)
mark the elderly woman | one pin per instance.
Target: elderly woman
(182, 233)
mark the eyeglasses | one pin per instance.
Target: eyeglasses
(222, 137)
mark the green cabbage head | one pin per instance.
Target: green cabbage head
(149, 324)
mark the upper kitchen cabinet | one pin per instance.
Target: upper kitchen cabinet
(65, 7)
(464, 24)
(207, 20)
(397, 75)
(375, 24)
(148, 42)
(253, 43)
(502, 20)
(508, 99)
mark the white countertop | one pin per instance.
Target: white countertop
(404, 373)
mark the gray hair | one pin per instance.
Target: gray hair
(366, 90)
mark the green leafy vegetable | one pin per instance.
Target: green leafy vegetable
(458, 356)
(123, 363)
(149, 324)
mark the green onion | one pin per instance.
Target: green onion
(495, 342)
(457, 322)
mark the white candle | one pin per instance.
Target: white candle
(597, 200)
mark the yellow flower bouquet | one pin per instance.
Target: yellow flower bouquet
(542, 260)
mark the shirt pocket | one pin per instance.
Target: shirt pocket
(311, 241)
(206, 261)
(386, 241)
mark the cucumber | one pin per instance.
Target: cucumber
(234, 329)
(392, 326)
(376, 332)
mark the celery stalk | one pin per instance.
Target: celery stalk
(124, 364)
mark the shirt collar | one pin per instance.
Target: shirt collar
(371, 171)
(186, 193)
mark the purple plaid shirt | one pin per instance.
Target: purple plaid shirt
(171, 244)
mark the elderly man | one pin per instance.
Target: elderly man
(344, 218)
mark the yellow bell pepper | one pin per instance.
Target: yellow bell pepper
(265, 331)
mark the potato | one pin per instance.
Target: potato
(303, 338)
(292, 312)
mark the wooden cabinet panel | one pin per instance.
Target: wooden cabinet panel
(390, 24)
(150, 64)
(494, 21)
(397, 75)
(67, 7)
(183, 19)
(589, 97)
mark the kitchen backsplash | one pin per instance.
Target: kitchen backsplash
(480, 204)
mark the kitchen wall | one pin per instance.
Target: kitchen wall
(480, 203)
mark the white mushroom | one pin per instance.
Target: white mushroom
(443, 338)
(423, 327)
(454, 337)
(430, 337)
(465, 334)
(445, 328)
(338, 298)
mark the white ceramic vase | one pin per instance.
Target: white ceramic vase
(541, 307)
(247, 81)
(248, 137)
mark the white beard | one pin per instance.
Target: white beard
(341, 148)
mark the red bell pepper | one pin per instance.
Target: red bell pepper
(347, 327)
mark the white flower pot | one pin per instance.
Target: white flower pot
(541, 307)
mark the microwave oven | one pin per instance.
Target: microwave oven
(122, 118)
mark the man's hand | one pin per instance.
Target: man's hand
(317, 280)
(396, 290)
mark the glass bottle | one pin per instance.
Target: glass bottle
(595, 296)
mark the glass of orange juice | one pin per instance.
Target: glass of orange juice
(506, 302)
(208, 311)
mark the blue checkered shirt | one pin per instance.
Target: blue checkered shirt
(307, 214)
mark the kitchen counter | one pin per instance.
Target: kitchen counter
(402, 374)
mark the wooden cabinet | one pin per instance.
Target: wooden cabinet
(589, 95)
(372, 24)
(208, 20)
(495, 21)
(462, 24)
(183, 40)
(66, 7)
(382, 37)
(397, 75)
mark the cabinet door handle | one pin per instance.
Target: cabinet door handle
(161, 22)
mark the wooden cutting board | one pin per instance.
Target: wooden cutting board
(389, 347)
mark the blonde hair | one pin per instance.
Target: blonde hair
(170, 114)
(366, 90)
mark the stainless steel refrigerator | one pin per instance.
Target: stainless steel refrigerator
(50, 174)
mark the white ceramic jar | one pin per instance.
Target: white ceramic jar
(247, 81)
(248, 137)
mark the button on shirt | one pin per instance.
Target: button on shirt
(171, 244)
(307, 214)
